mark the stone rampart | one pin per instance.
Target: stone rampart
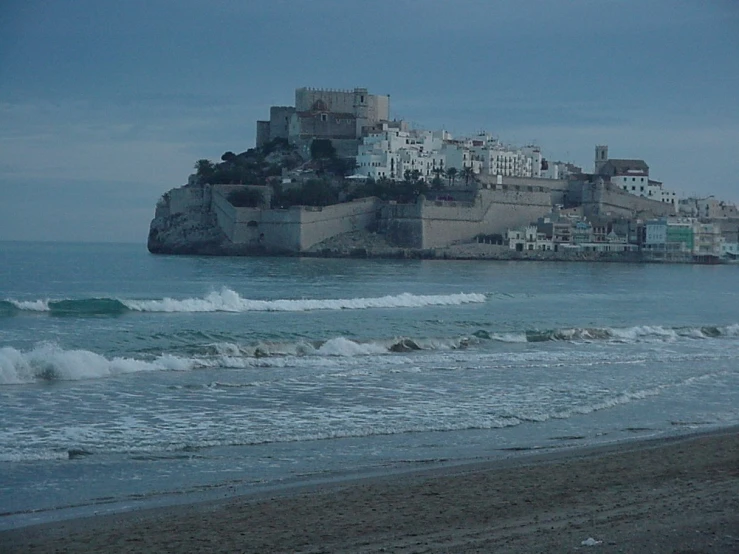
(607, 200)
(183, 199)
(558, 187)
(494, 211)
(439, 223)
(294, 229)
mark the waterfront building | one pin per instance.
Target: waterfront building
(729, 250)
(582, 231)
(707, 239)
(528, 238)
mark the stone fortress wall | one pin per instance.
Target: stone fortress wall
(601, 199)
(428, 223)
(293, 229)
(440, 223)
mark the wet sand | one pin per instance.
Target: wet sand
(659, 496)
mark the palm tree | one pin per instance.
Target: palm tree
(451, 173)
(468, 173)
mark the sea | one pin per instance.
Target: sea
(129, 380)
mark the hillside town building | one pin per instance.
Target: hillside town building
(631, 176)
(392, 149)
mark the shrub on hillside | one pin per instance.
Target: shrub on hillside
(246, 198)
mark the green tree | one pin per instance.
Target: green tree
(452, 174)
(246, 198)
(437, 183)
(322, 149)
(468, 173)
(204, 168)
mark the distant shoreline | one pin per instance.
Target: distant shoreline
(363, 245)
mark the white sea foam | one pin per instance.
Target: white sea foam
(49, 361)
(644, 332)
(508, 337)
(227, 300)
(341, 346)
(31, 305)
(25, 455)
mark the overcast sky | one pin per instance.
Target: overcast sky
(104, 106)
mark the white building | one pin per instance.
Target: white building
(730, 250)
(390, 151)
(632, 176)
(497, 158)
(707, 239)
(528, 239)
(558, 170)
(709, 207)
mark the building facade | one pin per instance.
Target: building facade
(325, 114)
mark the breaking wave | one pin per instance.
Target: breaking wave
(227, 300)
(50, 362)
(639, 333)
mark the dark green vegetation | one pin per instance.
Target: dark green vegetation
(314, 192)
(246, 198)
(252, 167)
(325, 174)
(404, 191)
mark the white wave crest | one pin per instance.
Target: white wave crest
(51, 362)
(345, 347)
(644, 332)
(31, 305)
(227, 300)
(508, 337)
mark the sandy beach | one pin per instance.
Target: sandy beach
(665, 495)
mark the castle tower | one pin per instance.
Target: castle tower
(361, 108)
(601, 157)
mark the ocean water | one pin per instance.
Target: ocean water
(130, 380)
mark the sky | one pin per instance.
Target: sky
(104, 106)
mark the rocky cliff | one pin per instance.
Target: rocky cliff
(184, 223)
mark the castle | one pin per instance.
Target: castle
(342, 116)
(504, 188)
